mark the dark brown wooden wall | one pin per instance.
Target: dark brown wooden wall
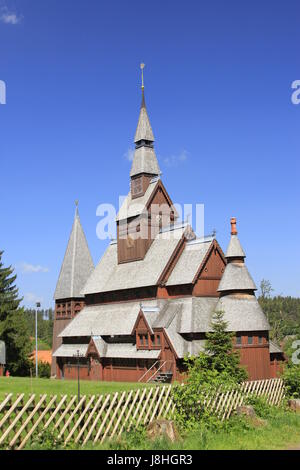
(210, 276)
(65, 310)
(134, 247)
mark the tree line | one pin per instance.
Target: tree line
(17, 325)
(283, 313)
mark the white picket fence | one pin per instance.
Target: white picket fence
(99, 417)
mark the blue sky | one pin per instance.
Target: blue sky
(218, 81)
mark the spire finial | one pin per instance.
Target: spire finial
(233, 226)
(142, 69)
(76, 207)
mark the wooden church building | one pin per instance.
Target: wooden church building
(149, 302)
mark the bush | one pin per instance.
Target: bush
(262, 408)
(49, 440)
(191, 410)
(291, 380)
(44, 370)
(216, 369)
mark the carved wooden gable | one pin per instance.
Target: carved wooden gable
(210, 272)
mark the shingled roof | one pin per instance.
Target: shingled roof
(236, 277)
(243, 313)
(176, 317)
(123, 350)
(144, 159)
(235, 249)
(274, 348)
(70, 350)
(110, 276)
(77, 264)
(133, 207)
(144, 129)
(189, 262)
(104, 320)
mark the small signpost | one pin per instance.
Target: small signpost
(2, 357)
(78, 355)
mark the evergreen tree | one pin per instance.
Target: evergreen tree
(13, 327)
(219, 349)
(216, 369)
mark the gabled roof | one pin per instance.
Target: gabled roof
(236, 277)
(196, 314)
(103, 320)
(189, 262)
(145, 317)
(274, 348)
(77, 264)
(111, 276)
(175, 317)
(181, 346)
(133, 207)
(235, 249)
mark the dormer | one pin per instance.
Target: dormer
(146, 337)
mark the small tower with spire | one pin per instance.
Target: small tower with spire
(144, 165)
(236, 277)
(76, 268)
(242, 311)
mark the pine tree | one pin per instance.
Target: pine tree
(9, 300)
(13, 327)
(219, 349)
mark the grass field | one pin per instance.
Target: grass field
(51, 386)
(279, 433)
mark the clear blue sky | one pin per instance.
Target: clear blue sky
(218, 88)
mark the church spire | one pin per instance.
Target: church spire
(77, 264)
(236, 277)
(144, 160)
(234, 250)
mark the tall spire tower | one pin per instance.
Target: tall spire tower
(145, 165)
(76, 268)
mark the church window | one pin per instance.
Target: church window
(158, 340)
(250, 339)
(238, 339)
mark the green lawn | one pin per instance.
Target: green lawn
(52, 386)
(279, 433)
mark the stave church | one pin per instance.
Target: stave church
(149, 302)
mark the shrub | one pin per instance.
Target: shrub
(291, 380)
(47, 440)
(44, 370)
(261, 407)
(216, 369)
